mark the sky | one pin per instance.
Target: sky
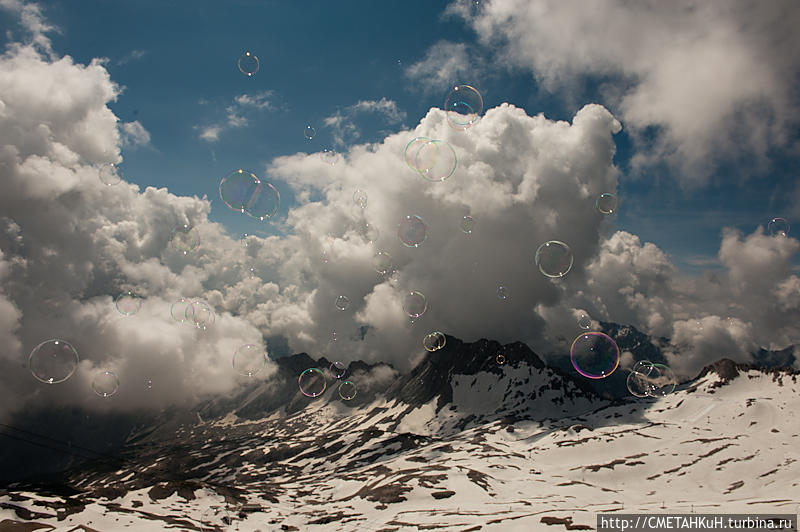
(687, 112)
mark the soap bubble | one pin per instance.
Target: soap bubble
(128, 303)
(414, 304)
(342, 303)
(554, 258)
(367, 231)
(178, 310)
(360, 198)
(347, 390)
(309, 132)
(594, 355)
(264, 202)
(637, 384)
(184, 238)
(312, 382)
(215, 519)
(606, 203)
(467, 223)
(329, 156)
(426, 159)
(110, 174)
(236, 189)
(53, 361)
(412, 231)
(661, 381)
(148, 383)
(200, 314)
(584, 322)
(500, 359)
(248, 63)
(464, 106)
(778, 227)
(382, 262)
(434, 341)
(249, 359)
(642, 366)
(105, 383)
(337, 369)
(435, 160)
(502, 292)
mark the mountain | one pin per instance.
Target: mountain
(461, 442)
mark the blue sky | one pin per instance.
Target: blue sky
(177, 63)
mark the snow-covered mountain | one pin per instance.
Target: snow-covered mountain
(460, 443)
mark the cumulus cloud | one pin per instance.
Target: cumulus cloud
(445, 65)
(32, 21)
(693, 81)
(235, 114)
(134, 134)
(343, 126)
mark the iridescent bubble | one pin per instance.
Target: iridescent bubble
(309, 132)
(347, 390)
(554, 258)
(414, 304)
(178, 310)
(500, 359)
(585, 322)
(434, 341)
(200, 314)
(216, 519)
(249, 359)
(425, 161)
(606, 203)
(367, 231)
(778, 227)
(248, 63)
(637, 384)
(661, 381)
(342, 303)
(105, 383)
(184, 238)
(435, 160)
(110, 174)
(53, 361)
(360, 198)
(337, 369)
(128, 303)
(264, 202)
(236, 189)
(334, 336)
(594, 355)
(148, 383)
(464, 106)
(502, 292)
(642, 366)
(382, 262)
(467, 223)
(312, 382)
(329, 156)
(412, 231)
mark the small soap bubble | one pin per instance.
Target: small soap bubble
(464, 106)
(347, 390)
(367, 231)
(329, 156)
(584, 322)
(606, 203)
(500, 359)
(337, 369)
(502, 293)
(594, 355)
(148, 383)
(248, 64)
(184, 238)
(382, 262)
(434, 341)
(128, 303)
(412, 231)
(251, 273)
(360, 198)
(342, 303)
(309, 132)
(778, 227)
(554, 258)
(467, 223)
(312, 382)
(334, 336)
(53, 361)
(110, 174)
(249, 359)
(178, 310)
(105, 383)
(245, 243)
(414, 304)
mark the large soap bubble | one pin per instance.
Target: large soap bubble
(435, 160)
(105, 383)
(434, 341)
(661, 381)
(347, 390)
(249, 359)
(778, 227)
(585, 322)
(343, 303)
(53, 361)
(463, 106)
(337, 368)
(594, 355)
(110, 174)
(606, 203)
(554, 258)
(425, 161)
(414, 304)
(309, 132)
(184, 238)
(244, 192)
(248, 63)
(200, 314)
(312, 382)
(412, 231)
(128, 303)
(382, 262)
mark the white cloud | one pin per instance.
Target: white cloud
(134, 134)
(32, 20)
(134, 55)
(235, 114)
(445, 65)
(343, 122)
(716, 79)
